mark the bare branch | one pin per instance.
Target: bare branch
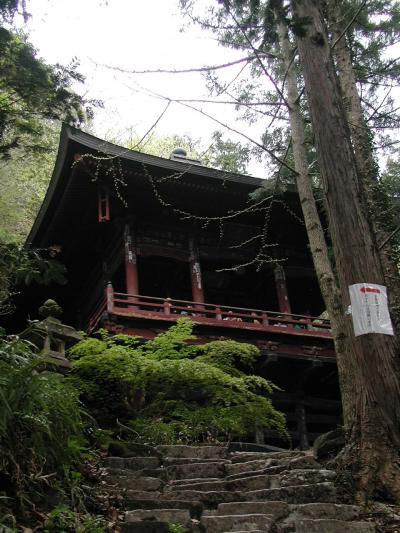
(229, 102)
(389, 237)
(351, 22)
(159, 96)
(258, 57)
(152, 127)
(179, 71)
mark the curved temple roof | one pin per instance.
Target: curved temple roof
(73, 141)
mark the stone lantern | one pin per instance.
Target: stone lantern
(51, 337)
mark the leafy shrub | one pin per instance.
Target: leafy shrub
(41, 423)
(170, 391)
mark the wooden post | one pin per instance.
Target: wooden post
(281, 290)
(131, 271)
(103, 202)
(110, 297)
(167, 306)
(195, 273)
(302, 426)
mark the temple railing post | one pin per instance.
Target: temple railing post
(218, 313)
(264, 319)
(110, 297)
(167, 306)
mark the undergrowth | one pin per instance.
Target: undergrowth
(42, 439)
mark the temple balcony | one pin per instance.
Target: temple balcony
(116, 308)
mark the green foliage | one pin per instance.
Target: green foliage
(177, 528)
(41, 423)
(23, 183)
(230, 356)
(90, 347)
(227, 155)
(171, 344)
(32, 91)
(169, 391)
(19, 265)
(64, 520)
(221, 153)
(390, 182)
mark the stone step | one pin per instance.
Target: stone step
(245, 457)
(241, 457)
(183, 451)
(209, 498)
(218, 524)
(317, 492)
(286, 478)
(250, 483)
(195, 508)
(194, 471)
(199, 485)
(241, 531)
(328, 525)
(159, 473)
(339, 511)
(145, 527)
(277, 509)
(143, 494)
(167, 461)
(303, 477)
(290, 515)
(137, 483)
(320, 492)
(172, 516)
(273, 464)
(183, 482)
(131, 463)
(241, 474)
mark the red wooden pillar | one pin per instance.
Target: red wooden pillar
(103, 203)
(281, 290)
(131, 271)
(195, 273)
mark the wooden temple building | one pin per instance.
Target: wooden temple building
(146, 240)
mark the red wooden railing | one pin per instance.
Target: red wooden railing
(122, 304)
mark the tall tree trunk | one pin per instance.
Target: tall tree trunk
(373, 451)
(318, 247)
(368, 170)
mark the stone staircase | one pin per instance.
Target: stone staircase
(206, 489)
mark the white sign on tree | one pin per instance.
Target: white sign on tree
(369, 309)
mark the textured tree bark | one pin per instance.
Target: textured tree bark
(368, 170)
(319, 250)
(373, 451)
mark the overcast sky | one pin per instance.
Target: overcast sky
(133, 35)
